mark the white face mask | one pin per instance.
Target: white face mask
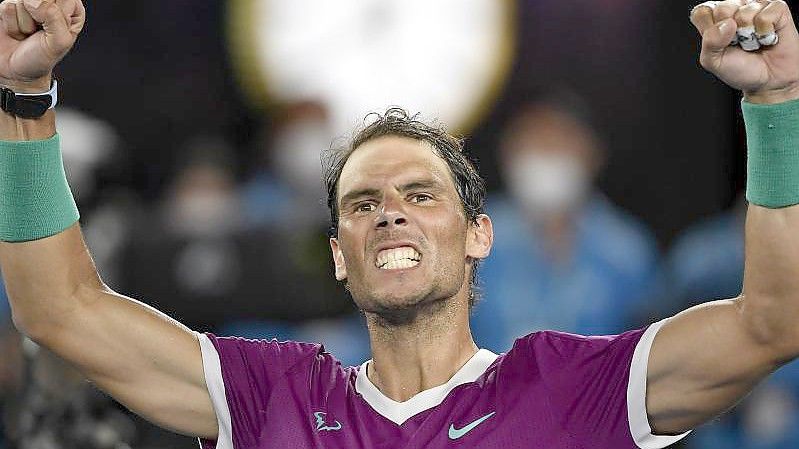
(297, 155)
(546, 183)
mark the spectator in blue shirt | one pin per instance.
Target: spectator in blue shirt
(564, 257)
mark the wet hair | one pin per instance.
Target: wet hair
(396, 121)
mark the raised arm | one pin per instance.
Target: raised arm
(142, 358)
(707, 358)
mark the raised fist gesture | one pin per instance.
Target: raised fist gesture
(750, 45)
(34, 36)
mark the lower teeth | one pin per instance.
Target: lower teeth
(396, 264)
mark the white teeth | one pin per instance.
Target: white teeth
(399, 264)
(395, 258)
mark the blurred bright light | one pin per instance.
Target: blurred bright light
(445, 58)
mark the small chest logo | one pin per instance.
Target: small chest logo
(454, 433)
(322, 425)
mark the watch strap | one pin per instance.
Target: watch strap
(26, 105)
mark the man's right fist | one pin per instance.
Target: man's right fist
(34, 36)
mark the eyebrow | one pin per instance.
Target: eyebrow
(430, 184)
(358, 194)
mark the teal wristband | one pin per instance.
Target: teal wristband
(772, 137)
(35, 200)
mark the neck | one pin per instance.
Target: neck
(421, 354)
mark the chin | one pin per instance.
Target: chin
(388, 301)
(394, 308)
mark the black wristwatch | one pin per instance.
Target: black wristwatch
(28, 105)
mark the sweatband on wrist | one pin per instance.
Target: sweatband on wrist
(35, 200)
(772, 138)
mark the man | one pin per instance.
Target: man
(564, 256)
(407, 234)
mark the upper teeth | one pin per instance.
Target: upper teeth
(404, 257)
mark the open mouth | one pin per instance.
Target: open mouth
(398, 258)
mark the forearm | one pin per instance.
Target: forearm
(45, 280)
(41, 276)
(770, 300)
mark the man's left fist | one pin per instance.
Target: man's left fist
(765, 64)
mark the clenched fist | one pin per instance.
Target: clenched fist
(34, 36)
(767, 72)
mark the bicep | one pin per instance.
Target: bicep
(702, 362)
(144, 359)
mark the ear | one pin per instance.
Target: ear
(480, 237)
(338, 260)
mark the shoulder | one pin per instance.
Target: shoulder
(252, 382)
(269, 360)
(230, 347)
(558, 351)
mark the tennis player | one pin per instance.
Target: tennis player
(408, 231)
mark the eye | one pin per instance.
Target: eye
(420, 198)
(365, 207)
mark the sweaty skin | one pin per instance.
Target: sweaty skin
(395, 191)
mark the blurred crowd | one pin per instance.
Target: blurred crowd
(250, 257)
(173, 219)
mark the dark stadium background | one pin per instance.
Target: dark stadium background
(161, 73)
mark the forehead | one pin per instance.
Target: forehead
(393, 159)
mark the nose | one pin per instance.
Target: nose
(390, 216)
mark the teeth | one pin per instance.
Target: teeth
(399, 264)
(395, 258)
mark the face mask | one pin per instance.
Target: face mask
(297, 155)
(546, 183)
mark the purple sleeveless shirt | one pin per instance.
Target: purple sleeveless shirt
(550, 391)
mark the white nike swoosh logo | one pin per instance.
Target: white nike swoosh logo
(454, 433)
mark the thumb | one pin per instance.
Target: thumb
(57, 36)
(716, 41)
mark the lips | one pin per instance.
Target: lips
(398, 258)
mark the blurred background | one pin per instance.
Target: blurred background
(191, 135)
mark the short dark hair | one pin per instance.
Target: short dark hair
(398, 122)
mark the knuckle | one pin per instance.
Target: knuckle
(748, 11)
(704, 60)
(703, 8)
(723, 12)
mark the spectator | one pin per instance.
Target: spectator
(188, 262)
(707, 260)
(283, 203)
(565, 257)
(59, 409)
(210, 268)
(286, 190)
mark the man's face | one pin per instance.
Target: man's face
(403, 239)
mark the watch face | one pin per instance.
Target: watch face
(444, 58)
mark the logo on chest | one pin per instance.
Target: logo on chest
(454, 433)
(322, 425)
